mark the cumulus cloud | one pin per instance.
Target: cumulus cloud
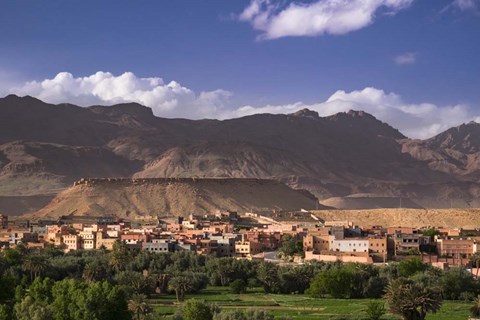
(420, 120)
(166, 99)
(405, 58)
(336, 17)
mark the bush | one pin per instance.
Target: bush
(197, 310)
(375, 310)
(238, 286)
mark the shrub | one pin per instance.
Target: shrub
(238, 286)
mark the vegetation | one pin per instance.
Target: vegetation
(375, 310)
(413, 300)
(121, 284)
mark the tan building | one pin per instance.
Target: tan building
(246, 247)
(406, 243)
(316, 243)
(377, 245)
(104, 242)
(455, 247)
(88, 240)
(72, 242)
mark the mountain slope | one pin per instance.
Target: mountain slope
(147, 198)
(44, 148)
(455, 151)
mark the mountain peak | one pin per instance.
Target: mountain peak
(365, 122)
(359, 113)
(465, 138)
(133, 109)
(15, 98)
(306, 113)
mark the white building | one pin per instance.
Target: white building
(349, 245)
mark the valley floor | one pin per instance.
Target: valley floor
(301, 307)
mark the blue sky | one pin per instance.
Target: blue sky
(405, 61)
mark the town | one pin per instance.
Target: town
(252, 236)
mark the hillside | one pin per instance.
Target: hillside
(44, 148)
(447, 218)
(361, 201)
(145, 198)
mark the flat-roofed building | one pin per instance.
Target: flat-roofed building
(159, 246)
(317, 243)
(455, 247)
(377, 245)
(350, 245)
(407, 243)
(246, 247)
(72, 242)
(88, 240)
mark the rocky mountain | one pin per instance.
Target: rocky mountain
(455, 151)
(44, 148)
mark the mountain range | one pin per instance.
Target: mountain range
(44, 148)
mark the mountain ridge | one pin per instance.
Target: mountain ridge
(44, 148)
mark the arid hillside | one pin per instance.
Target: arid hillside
(449, 218)
(145, 198)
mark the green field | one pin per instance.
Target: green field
(300, 306)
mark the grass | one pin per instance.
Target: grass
(300, 307)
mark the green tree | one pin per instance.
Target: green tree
(13, 257)
(412, 300)
(133, 282)
(139, 306)
(119, 257)
(197, 310)
(238, 286)
(409, 267)
(4, 314)
(343, 283)
(180, 284)
(375, 310)
(41, 290)
(456, 281)
(95, 270)
(290, 245)
(7, 288)
(267, 274)
(29, 309)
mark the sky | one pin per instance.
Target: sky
(412, 63)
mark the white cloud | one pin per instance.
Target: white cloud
(165, 99)
(466, 4)
(420, 120)
(316, 18)
(405, 58)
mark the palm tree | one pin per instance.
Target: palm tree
(94, 271)
(138, 306)
(35, 264)
(475, 309)
(412, 300)
(475, 260)
(119, 256)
